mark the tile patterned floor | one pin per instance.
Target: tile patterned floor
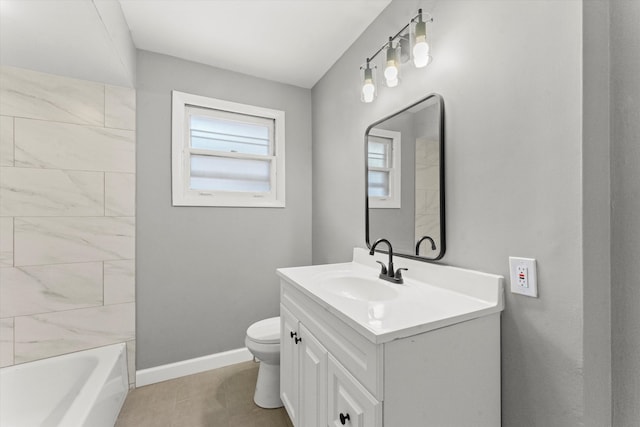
(218, 398)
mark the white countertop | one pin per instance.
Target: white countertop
(432, 295)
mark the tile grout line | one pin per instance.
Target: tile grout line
(71, 216)
(13, 241)
(73, 309)
(13, 337)
(13, 238)
(104, 105)
(62, 311)
(13, 141)
(71, 170)
(92, 125)
(70, 263)
(39, 119)
(103, 299)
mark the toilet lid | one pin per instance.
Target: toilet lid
(266, 331)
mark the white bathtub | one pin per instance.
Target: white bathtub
(86, 388)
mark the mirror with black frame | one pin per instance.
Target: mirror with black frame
(404, 158)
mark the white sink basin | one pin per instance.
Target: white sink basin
(359, 288)
(432, 296)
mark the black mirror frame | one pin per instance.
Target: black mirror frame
(442, 242)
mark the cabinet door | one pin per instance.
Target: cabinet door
(289, 364)
(313, 381)
(350, 404)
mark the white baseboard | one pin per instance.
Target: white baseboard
(191, 366)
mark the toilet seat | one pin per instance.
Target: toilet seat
(266, 331)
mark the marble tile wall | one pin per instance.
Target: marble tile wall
(67, 216)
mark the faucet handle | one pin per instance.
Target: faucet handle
(398, 274)
(383, 270)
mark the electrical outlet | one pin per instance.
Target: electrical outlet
(523, 276)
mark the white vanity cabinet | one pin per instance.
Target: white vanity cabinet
(349, 402)
(303, 385)
(422, 355)
(289, 364)
(316, 389)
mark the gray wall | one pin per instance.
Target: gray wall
(596, 221)
(511, 77)
(625, 195)
(204, 274)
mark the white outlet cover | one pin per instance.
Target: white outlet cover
(531, 290)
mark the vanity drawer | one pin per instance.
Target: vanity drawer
(349, 403)
(362, 358)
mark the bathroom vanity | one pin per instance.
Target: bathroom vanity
(360, 351)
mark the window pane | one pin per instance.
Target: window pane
(230, 136)
(379, 152)
(378, 184)
(230, 174)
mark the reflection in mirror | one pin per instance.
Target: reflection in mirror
(405, 180)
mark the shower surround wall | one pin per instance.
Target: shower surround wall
(67, 216)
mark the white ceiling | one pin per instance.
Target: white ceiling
(85, 39)
(290, 41)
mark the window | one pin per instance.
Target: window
(226, 154)
(383, 162)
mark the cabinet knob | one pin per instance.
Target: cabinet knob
(293, 334)
(344, 418)
(297, 340)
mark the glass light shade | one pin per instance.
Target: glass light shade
(420, 48)
(404, 45)
(368, 83)
(392, 65)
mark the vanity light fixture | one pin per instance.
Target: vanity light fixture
(397, 51)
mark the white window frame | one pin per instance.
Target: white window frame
(394, 201)
(182, 195)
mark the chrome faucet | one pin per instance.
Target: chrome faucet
(433, 244)
(387, 272)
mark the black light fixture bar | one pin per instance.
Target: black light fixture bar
(411, 41)
(398, 34)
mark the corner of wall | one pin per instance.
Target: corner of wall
(116, 27)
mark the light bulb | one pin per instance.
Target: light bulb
(368, 83)
(391, 72)
(420, 49)
(421, 52)
(368, 90)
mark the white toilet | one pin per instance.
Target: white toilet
(263, 341)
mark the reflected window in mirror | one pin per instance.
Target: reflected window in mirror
(408, 179)
(384, 169)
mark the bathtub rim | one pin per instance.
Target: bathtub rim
(82, 406)
(108, 358)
